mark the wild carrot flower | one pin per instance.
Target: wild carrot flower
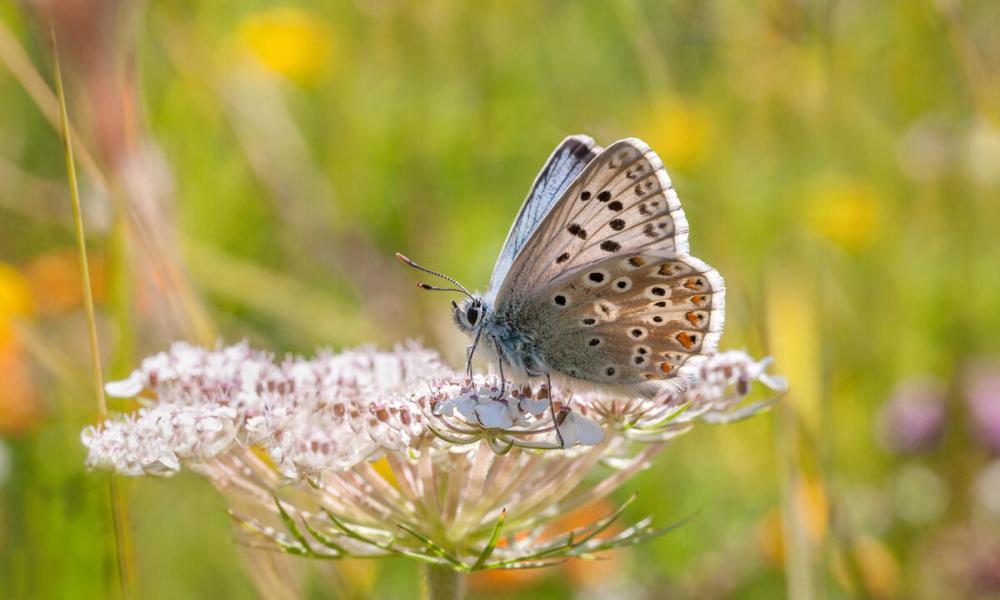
(369, 454)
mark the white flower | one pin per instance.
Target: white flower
(463, 459)
(126, 388)
(577, 429)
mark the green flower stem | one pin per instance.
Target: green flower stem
(441, 582)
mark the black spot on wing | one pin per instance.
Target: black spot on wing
(577, 230)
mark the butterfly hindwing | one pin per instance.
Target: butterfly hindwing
(629, 319)
(622, 202)
(565, 164)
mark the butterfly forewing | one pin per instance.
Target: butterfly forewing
(621, 203)
(565, 164)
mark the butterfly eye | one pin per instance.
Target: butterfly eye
(472, 314)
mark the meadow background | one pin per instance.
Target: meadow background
(248, 169)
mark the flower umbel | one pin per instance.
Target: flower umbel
(368, 454)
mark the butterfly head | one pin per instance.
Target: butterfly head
(468, 313)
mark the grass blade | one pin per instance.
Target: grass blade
(119, 517)
(492, 544)
(292, 526)
(438, 550)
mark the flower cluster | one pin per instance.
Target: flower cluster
(337, 455)
(331, 412)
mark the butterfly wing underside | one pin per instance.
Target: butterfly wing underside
(605, 282)
(567, 161)
(629, 319)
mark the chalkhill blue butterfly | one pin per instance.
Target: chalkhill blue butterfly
(595, 283)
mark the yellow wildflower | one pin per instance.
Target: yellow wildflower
(794, 332)
(383, 468)
(15, 300)
(879, 570)
(846, 212)
(680, 131)
(290, 41)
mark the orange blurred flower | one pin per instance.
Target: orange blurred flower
(582, 573)
(20, 406)
(811, 508)
(54, 279)
(769, 537)
(504, 580)
(588, 573)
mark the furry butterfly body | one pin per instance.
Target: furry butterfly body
(595, 283)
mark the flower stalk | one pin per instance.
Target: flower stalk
(442, 583)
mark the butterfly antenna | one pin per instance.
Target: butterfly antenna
(433, 288)
(458, 286)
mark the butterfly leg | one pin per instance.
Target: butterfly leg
(471, 351)
(503, 381)
(552, 411)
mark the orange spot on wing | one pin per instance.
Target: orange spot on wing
(698, 300)
(694, 317)
(685, 339)
(665, 367)
(668, 268)
(694, 283)
(637, 261)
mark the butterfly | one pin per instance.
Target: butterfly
(594, 282)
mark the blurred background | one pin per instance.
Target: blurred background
(248, 169)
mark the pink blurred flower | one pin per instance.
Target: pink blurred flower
(982, 395)
(913, 418)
